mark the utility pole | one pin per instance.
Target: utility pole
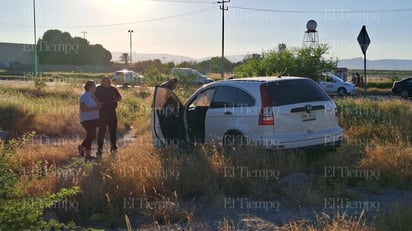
(223, 8)
(35, 39)
(84, 34)
(131, 59)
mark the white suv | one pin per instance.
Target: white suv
(273, 112)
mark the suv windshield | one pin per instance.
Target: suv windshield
(293, 91)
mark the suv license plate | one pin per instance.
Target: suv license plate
(308, 116)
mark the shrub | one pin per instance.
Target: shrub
(39, 83)
(18, 210)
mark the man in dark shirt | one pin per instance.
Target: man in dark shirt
(108, 95)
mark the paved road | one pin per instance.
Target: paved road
(49, 83)
(25, 83)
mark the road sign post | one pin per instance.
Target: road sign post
(364, 41)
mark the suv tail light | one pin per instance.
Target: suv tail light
(266, 112)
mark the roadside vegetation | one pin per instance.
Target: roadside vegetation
(140, 186)
(143, 186)
(308, 61)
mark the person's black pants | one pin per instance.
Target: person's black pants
(105, 121)
(90, 127)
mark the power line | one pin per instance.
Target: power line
(399, 10)
(324, 11)
(223, 9)
(35, 39)
(146, 20)
(131, 53)
(124, 23)
(234, 7)
(182, 1)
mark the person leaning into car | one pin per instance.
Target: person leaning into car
(171, 83)
(89, 116)
(169, 115)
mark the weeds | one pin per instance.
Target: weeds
(340, 221)
(398, 217)
(152, 185)
(18, 208)
(393, 163)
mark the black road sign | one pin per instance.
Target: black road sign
(363, 39)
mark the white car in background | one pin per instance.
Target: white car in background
(127, 77)
(273, 112)
(332, 84)
(188, 74)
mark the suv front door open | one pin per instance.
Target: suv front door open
(167, 118)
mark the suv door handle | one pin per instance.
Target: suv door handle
(227, 113)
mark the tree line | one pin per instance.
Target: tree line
(60, 48)
(306, 62)
(56, 47)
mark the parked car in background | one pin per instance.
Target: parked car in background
(332, 84)
(190, 75)
(273, 112)
(403, 87)
(127, 77)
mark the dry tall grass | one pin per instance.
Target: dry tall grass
(382, 131)
(394, 164)
(50, 111)
(150, 185)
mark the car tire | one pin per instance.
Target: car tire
(233, 140)
(342, 91)
(404, 94)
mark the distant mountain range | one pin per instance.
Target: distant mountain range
(355, 63)
(379, 64)
(164, 58)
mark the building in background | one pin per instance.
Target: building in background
(16, 56)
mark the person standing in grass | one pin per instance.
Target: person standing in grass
(109, 96)
(89, 116)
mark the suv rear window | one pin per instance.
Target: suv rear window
(231, 97)
(292, 91)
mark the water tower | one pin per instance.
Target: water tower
(281, 47)
(311, 36)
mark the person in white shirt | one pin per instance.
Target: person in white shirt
(89, 116)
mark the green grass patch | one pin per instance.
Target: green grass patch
(381, 84)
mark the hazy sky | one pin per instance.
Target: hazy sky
(193, 27)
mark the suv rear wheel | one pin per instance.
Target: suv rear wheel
(233, 139)
(404, 93)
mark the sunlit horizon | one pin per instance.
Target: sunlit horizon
(194, 28)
